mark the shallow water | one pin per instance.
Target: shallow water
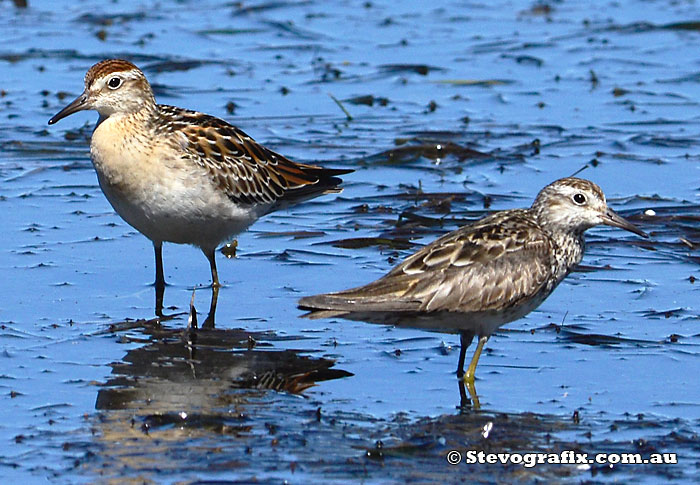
(456, 109)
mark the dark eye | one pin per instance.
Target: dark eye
(114, 83)
(579, 199)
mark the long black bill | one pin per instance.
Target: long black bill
(78, 104)
(612, 219)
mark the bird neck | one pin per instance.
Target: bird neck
(138, 118)
(563, 231)
(571, 246)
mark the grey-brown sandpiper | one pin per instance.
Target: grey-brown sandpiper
(481, 276)
(182, 176)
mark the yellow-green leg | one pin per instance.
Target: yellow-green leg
(471, 370)
(468, 377)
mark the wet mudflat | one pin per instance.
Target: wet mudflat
(445, 113)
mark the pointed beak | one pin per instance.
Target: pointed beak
(79, 104)
(610, 218)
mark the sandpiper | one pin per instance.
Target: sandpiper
(182, 176)
(483, 275)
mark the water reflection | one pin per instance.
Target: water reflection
(209, 322)
(192, 319)
(182, 370)
(185, 391)
(196, 403)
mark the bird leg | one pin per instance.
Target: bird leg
(215, 285)
(211, 256)
(471, 370)
(465, 340)
(160, 279)
(472, 401)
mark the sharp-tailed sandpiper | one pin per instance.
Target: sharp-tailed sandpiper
(182, 176)
(483, 275)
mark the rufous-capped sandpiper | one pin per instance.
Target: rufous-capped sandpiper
(182, 176)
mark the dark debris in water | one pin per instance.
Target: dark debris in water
(690, 25)
(644, 27)
(364, 242)
(430, 151)
(250, 437)
(674, 312)
(523, 59)
(244, 8)
(229, 31)
(422, 69)
(475, 82)
(289, 28)
(411, 150)
(367, 100)
(666, 141)
(110, 19)
(599, 340)
(293, 234)
(174, 66)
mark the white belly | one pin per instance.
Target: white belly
(165, 197)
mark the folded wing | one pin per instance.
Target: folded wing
(246, 171)
(498, 262)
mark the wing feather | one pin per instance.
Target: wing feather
(247, 172)
(500, 261)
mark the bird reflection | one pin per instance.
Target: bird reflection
(196, 393)
(208, 323)
(179, 370)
